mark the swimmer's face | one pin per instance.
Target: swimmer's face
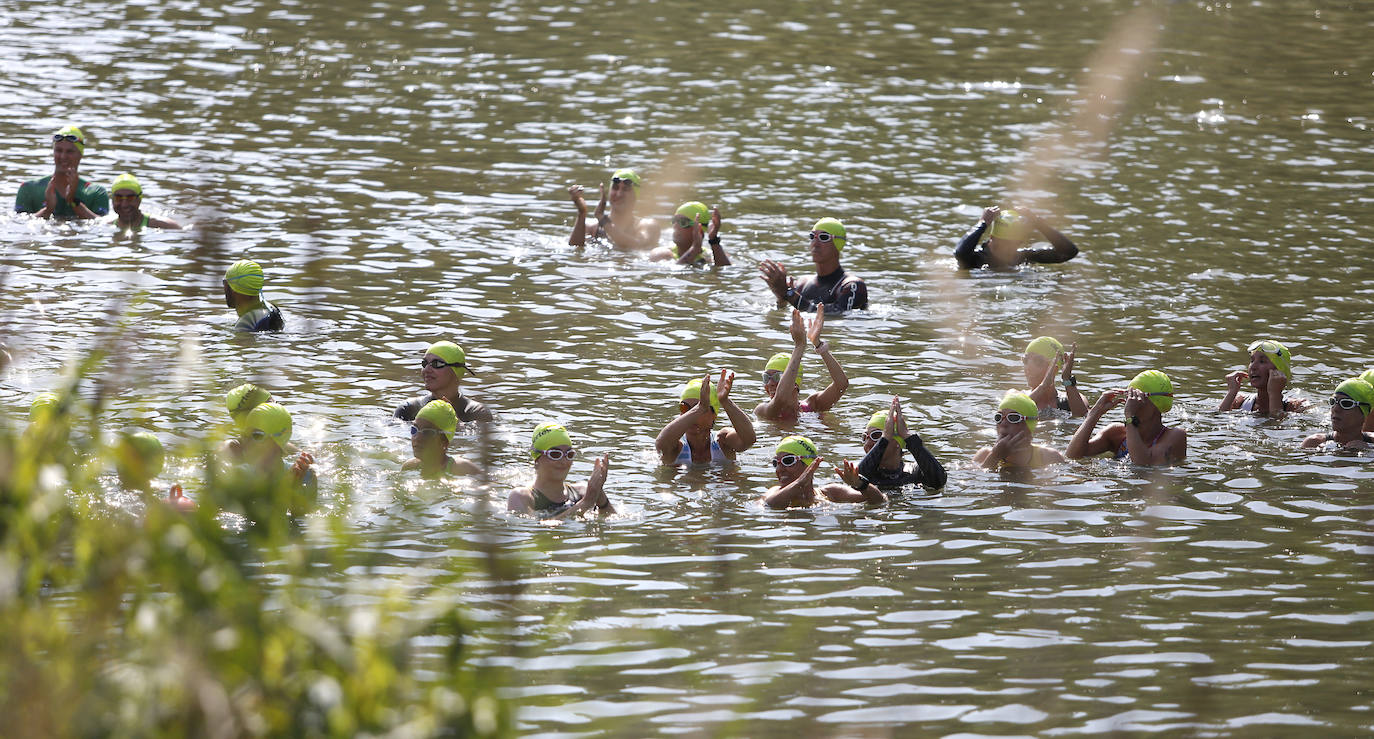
(437, 380)
(703, 422)
(1260, 365)
(427, 442)
(228, 294)
(125, 203)
(557, 465)
(65, 155)
(786, 473)
(871, 437)
(1005, 427)
(683, 236)
(1036, 366)
(622, 191)
(1343, 419)
(823, 251)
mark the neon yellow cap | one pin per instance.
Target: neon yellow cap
(243, 399)
(1047, 347)
(547, 436)
(1277, 353)
(833, 227)
(126, 181)
(441, 414)
(245, 277)
(692, 391)
(778, 362)
(1018, 401)
(695, 210)
(628, 174)
(1009, 225)
(271, 419)
(1358, 390)
(138, 456)
(1368, 376)
(72, 131)
(1159, 387)
(798, 445)
(44, 405)
(452, 354)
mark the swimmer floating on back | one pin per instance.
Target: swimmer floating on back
(551, 495)
(620, 225)
(884, 440)
(1143, 437)
(1016, 417)
(687, 439)
(1269, 372)
(1350, 408)
(1008, 232)
(691, 223)
(795, 462)
(782, 375)
(1044, 357)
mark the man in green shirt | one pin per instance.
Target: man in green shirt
(63, 194)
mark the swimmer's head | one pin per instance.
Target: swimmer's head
(45, 405)
(798, 445)
(72, 134)
(1021, 403)
(126, 181)
(777, 364)
(138, 458)
(834, 228)
(1010, 226)
(1368, 376)
(441, 414)
(1047, 347)
(1278, 354)
(627, 175)
(452, 355)
(244, 277)
(879, 421)
(692, 391)
(1157, 385)
(695, 212)
(243, 399)
(269, 420)
(547, 436)
(1358, 390)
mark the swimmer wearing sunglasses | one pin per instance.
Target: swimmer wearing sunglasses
(1350, 407)
(551, 496)
(884, 440)
(795, 462)
(832, 288)
(619, 224)
(1016, 417)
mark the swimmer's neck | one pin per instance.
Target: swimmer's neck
(1342, 436)
(550, 483)
(133, 223)
(250, 303)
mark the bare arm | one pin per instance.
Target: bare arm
(740, 436)
(718, 255)
(1084, 442)
(1078, 407)
(579, 232)
(1231, 400)
(782, 405)
(827, 398)
(1044, 394)
(783, 496)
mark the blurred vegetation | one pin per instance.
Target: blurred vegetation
(169, 623)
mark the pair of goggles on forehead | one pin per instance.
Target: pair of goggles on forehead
(787, 460)
(1268, 347)
(1348, 404)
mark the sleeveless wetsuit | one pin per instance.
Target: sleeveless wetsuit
(1122, 452)
(685, 456)
(547, 507)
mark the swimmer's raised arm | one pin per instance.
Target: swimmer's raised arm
(1234, 380)
(718, 255)
(1087, 444)
(740, 436)
(839, 382)
(579, 232)
(668, 443)
(1078, 407)
(1061, 249)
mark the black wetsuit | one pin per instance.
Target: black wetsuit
(466, 408)
(927, 471)
(838, 291)
(972, 251)
(546, 507)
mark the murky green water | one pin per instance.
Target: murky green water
(400, 171)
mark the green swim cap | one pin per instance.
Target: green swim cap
(695, 210)
(453, 354)
(245, 277)
(1018, 401)
(692, 391)
(1277, 353)
(126, 181)
(879, 421)
(1009, 225)
(72, 131)
(1159, 387)
(441, 414)
(833, 227)
(798, 445)
(779, 362)
(1368, 376)
(44, 405)
(271, 419)
(243, 399)
(628, 174)
(139, 456)
(1360, 391)
(547, 436)
(1047, 347)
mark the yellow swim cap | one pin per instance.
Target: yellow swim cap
(1047, 347)
(692, 391)
(245, 277)
(628, 174)
(452, 354)
(243, 399)
(695, 210)
(1009, 225)
(547, 436)
(65, 131)
(1368, 376)
(798, 445)
(833, 227)
(1158, 386)
(1358, 390)
(778, 362)
(879, 421)
(1277, 353)
(44, 405)
(272, 420)
(1018, 401)
(441, 414)
(138, 456)
(126, 181)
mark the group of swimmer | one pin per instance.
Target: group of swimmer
(261, 444)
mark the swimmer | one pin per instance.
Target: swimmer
(441, 369)
(1350, 409)
(831, 287)
(1143, 437)
(1044, 356)
(430, 434)
(687, 439)
(241, 401)
(1016, 417)
(64, 194)
(551, 496)
(795, 461)
(138, 458)
(688, 231)
(1269, 372)
(884, 440)
(243, 292)
(265, 440)
(1008, 233)
(620, 226)
(782, 375)
(126, 195)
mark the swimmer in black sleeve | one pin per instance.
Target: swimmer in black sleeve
(442, 368)
(1008, 233)
(839, 291)
(884, 440)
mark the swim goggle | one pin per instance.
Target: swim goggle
(621, 181)
(66, 137)
(440, 364)
(1268, 347)
(1348, 404)
(259, 434)
(417, 431)
(1012, 417)
(683, 221)
(557, 455)
(787, 460)
(695, 403)
(873, 434)
(825, 236)
(772, 377)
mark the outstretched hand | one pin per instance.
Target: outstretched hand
(575, 195)
(797, 329)
(727, 381)
(813, 328)
(849, 472)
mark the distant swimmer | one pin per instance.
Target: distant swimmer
(1043, 359)
(691, 223)
(688, 439)
(1350, 408)
(795, 462)
(551, 496)
(620, 225)
(1143, 437)
(782, 376)
(430, 435)
(441, 369)
(64, 193)
(139, 459)
(884, 440)
(268, 485)
(126, 194)
(1016, 417)
(832, 287)
(1269, 372)
(243, 283)
(1008, 233)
